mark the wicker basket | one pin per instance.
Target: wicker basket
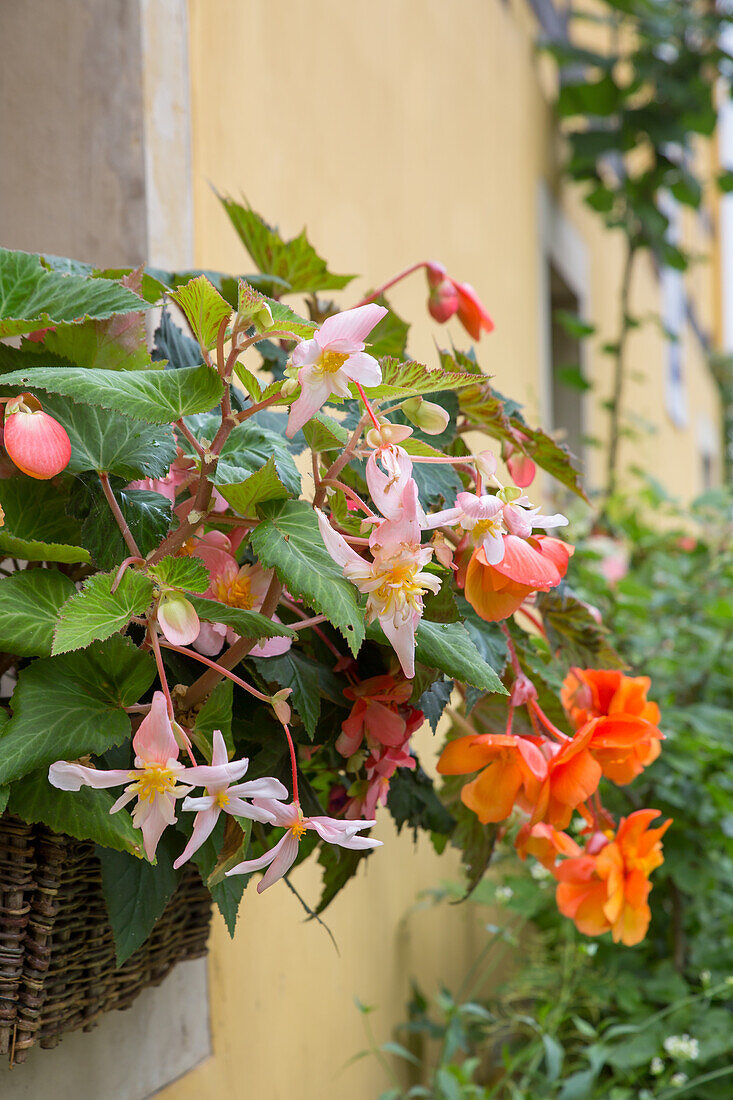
(57, 957)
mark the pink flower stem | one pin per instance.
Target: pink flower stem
(308, 622)
(510, 720)
(245, 414)
(535, 622)
(218, 668)
(534, 706)
(117, 513)
(302, 615)
(338, 464)
(391, 282)
(367, 406)
(335, 484)
(293, 764)
(121, 571)
(155, 643)
(516, 667)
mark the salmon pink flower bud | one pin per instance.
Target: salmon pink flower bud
(471, 312)
(36, 443)
(426, 415)
(485, 463)
(443, 301)
(178, 620)
(522, 469)
(281, 706)
(387, 434)
(436, 273)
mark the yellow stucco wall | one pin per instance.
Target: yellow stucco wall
(396, 130)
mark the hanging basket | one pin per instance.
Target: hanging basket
(57, 957)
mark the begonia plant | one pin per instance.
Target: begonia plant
(257, 544)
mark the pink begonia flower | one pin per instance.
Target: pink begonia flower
(282, 856)
(486, 519)
(393, 581)
(387, 485)
(155, 777)
(220, 796)
(333, 358)
(243, 586)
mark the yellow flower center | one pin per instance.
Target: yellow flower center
(235, 593)
(154, 781)
(222, 800)
(298, 830)
(399, 585)
(486, 527)
(331, 361)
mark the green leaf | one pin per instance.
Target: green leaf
(171, 345)
(288, 539)
(29, 603)
(412, 801)
(32, 550)
(148, 516)
(249, 381)
(249, 624)
(571, 628)
(227, 893)
(265, 313)
(340, 865)
(260, 486)
(65, 707)
(106, 441)
(296, 671)
(83, 814)
(248, 449)
(117, 344)
(596, 98)
(407, 379)
(295, 261)
(136, 894)
(216, 714)
(158, 396)
(448, 646)
(96, 612)
(204, 309)
(37, 527)
(189, 573)
(32, 297)
(37, 510)
(389, 336)
(323, 433)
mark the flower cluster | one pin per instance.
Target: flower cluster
(159, 779)
(550, 777)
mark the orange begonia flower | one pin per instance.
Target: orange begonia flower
(572, 776)
(626, 736)
(593, 693)
(545, 843)
(624, 745)
(510, 767)
(609, 890)
(529, 565)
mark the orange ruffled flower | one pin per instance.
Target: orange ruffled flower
(608, 890)
(626, 736)
(594, 692)
(535, 564)
(511, 767)
(572, 777)
(545, 843)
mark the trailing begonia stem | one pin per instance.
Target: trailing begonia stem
(218, 668)
(391, 282)
(293, 764)
(334, 483)
(367, 406)
(117, 513)
(155, 643)
(133, 560)
(338, 464)
(516, 667)
(188, 434)
(206, 683)
(533, 705)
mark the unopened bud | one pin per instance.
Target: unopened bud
(522, 469)
(426, 415)
(388, 434)
(37, 444)
(509, 494)
(436, 272)
(522, 691)
(289, 386)
(280, 706)
(178, 619)
(486, 464)
(443, 301)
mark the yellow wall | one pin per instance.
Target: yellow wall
(397, 130)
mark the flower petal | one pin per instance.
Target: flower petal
(352, 325)
(71, 777)
(203, 827)
(154, 741)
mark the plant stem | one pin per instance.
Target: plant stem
(619, 366)
(337, 466)
(117, 513)
(390, 282)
